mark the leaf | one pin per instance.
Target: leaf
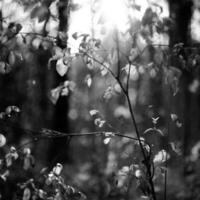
(61, 68)
(27, 163)
(58, 196)
(88, 80)
(194, 86)
(5, 68)
(174, 117)
(57, 169)
(173, 75)
(117, 88)
(64, 91)
(11, 58)
(70, 85)
(97, 43)
(5, 175)
(178, 124)
(50, 178)
(138, 173)
(104, 69)
(124, 170)
(158, 57)
(40, 12)
(99, 122)
(11, 156)
(155, 120)
(109, 134)
(195, 152)
(8, 159)
(85, 36)
(108, 93)
(176, 147)
(122, 111)
(27, 151)
(2, 140)
(58, 52)
(54, 94)
(75, 35)
(26, 194)
(145, 197)
(148, 17)
(161, 157)
(36, 42)
(133, 54)
(163, 170)
(44, 170)
(14, 153)
(12, 109)
(93, 112)
(134, 75)
(107, 140)
(2, 115)
(42, 194)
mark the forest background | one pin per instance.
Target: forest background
(99, 99)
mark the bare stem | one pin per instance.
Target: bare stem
(145, 156)
(118, 55)
(128, 77)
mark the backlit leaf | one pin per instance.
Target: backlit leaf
(5, 175)
(161, 157)
(174, 117)
(5, 68)
(93, 112)
(61, 68)
(57, 169)
(2, 140)
(176, 147)
(99, 122)
(107, 140)
(178, 124)
(12, 109)
(88, 80)
(108, 93)
(54, 94)
(109, 134)
(11, 58)
(104, 69)
(26, 194)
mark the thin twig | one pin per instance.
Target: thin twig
(118, 55)
(168, 136)
(37, 34)
(146, 157)
(128, 77)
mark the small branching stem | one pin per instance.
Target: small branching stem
(146, 159)
(118, 55)
(126, 93)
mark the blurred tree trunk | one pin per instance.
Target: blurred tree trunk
(181, 13)
(59, 147)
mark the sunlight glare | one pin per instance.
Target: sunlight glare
(115, 12)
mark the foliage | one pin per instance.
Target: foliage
(137, 163)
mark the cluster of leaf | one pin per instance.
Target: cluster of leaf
(14, 155)
(9, 55)
(54, 187)
(143, 40)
